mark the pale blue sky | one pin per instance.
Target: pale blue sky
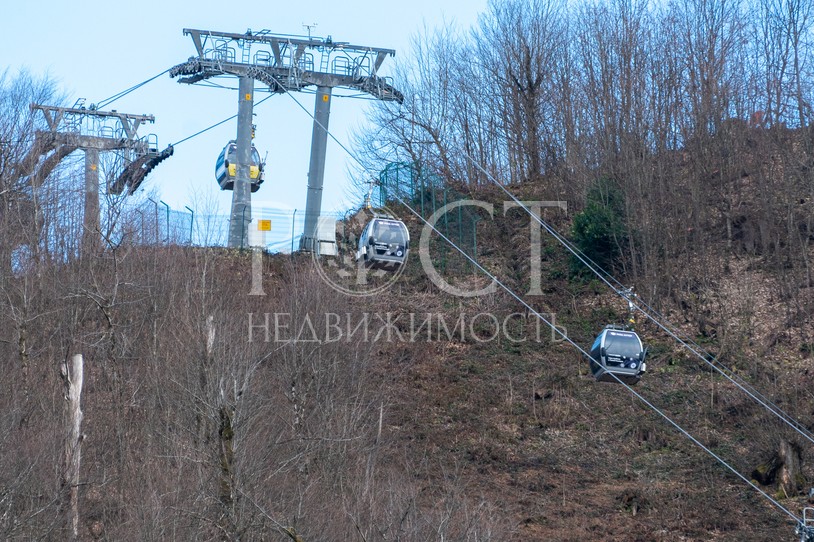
(95, 49)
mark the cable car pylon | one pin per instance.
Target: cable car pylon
(85, 128)
(284, 63)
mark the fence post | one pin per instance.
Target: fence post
(475, 241)
(421, 178)
(168, 220)
(293, 221)
(141, 237)
(156, 218)
(191, 222)
(460, 231)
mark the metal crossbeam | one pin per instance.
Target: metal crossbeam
(72, 118)
(202, 38)
(282, 79)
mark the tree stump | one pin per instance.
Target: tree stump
(782, 470)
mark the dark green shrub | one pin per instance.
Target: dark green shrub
(599, 230)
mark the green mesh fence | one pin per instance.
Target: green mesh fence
(436, 201)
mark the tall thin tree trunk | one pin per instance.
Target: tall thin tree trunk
(72, 376)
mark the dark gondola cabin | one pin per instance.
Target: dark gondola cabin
(226, 168)
(384, 244)
(618, 353)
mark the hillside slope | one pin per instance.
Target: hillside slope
(221, 408)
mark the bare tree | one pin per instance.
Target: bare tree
(519, 45)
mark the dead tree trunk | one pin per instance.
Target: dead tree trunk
(226, 434)
(72, 375)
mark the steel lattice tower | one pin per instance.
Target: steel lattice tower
(284, 63)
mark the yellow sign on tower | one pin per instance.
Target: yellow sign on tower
(264, 225)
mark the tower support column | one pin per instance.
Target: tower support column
(316, 170)
(241, 214)
(91, 233)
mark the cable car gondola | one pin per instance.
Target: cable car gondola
(384, 244)
(226, 168)
(618, 353)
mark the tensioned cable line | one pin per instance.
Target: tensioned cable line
(196, 134)
(754, 394)
(650, 405)
(725, 371)
(587, 355)
(108, 101)
(115, 97)
(656, 315)
(704, 353)
(787, 419)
